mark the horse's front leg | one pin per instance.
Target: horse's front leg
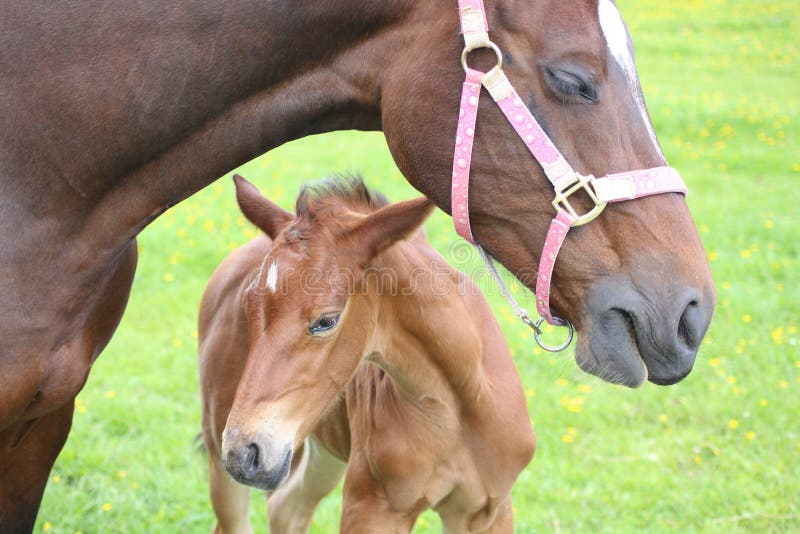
(28, 450)
(38, 410)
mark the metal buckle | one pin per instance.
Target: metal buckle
(562, 199)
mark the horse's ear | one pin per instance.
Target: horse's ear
(259, 210)
(392, 223)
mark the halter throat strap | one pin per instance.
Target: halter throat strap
(564, 179)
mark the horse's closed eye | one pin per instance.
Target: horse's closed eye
(572, 85)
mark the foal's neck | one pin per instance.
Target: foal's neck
(436, 338)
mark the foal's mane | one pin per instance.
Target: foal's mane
(334, 190)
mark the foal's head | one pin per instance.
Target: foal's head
(308, 319)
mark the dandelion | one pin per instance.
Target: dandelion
(173, 260)
(121, 474)
(177, 343)
(783, 384)
(712, 255)
(169, 277)
(777, 335)
(135, 485)
(750, 436)
(47, 526)
(107, 506)
(746, 253)
(763, 403)
(110, 394)
(208, 225)
(768, 224)
(731, 380)
(726, 285)
(585, 388)
(561, 382)
(714, 362)
(698, 460)
(663, 418)
(747, 318)
(733, 424)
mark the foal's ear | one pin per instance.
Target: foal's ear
(269, 217)
(392, 223)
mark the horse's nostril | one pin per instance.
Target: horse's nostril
(691, 325)
(252, 459)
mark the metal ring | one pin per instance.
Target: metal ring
(537, 336)
(489, 44)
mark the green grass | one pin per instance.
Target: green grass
(718, 452)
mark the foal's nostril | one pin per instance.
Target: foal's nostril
(692, 325)
(252, 459)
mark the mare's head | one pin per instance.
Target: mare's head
(309, 320)
(635, 282)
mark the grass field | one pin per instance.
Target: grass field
(718, 452)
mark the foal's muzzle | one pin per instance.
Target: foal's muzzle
(255, 461)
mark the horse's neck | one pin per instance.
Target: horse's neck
(438, 340)
(195, 91)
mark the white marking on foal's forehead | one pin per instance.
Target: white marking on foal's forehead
(272, 277)
(619, 45)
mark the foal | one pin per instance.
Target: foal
(339, 343)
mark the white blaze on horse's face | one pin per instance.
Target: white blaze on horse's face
(619, 44)
(272, 278)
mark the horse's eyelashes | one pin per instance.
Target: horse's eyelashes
(575, 86)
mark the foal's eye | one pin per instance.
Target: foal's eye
(323, 323)
(576, 87)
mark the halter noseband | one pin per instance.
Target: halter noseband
(565, 181)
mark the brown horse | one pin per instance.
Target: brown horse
(111, 115)
(345, 330)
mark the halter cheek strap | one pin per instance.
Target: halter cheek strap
(565, 181)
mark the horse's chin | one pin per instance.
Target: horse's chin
(608, 350)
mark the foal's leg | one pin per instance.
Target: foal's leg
(504, 521)
(365, 509)
(230, 499)
(292, 506)
(501, 523)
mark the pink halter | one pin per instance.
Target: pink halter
(610, 188)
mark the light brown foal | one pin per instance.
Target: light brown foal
(343, 343)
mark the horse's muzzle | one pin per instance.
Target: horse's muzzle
(632, 335)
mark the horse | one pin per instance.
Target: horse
(112, 114)
(342, 340)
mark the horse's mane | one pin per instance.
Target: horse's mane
(336, 189)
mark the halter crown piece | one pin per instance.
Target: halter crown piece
(565, 181)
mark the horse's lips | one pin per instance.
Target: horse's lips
(608, 349)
